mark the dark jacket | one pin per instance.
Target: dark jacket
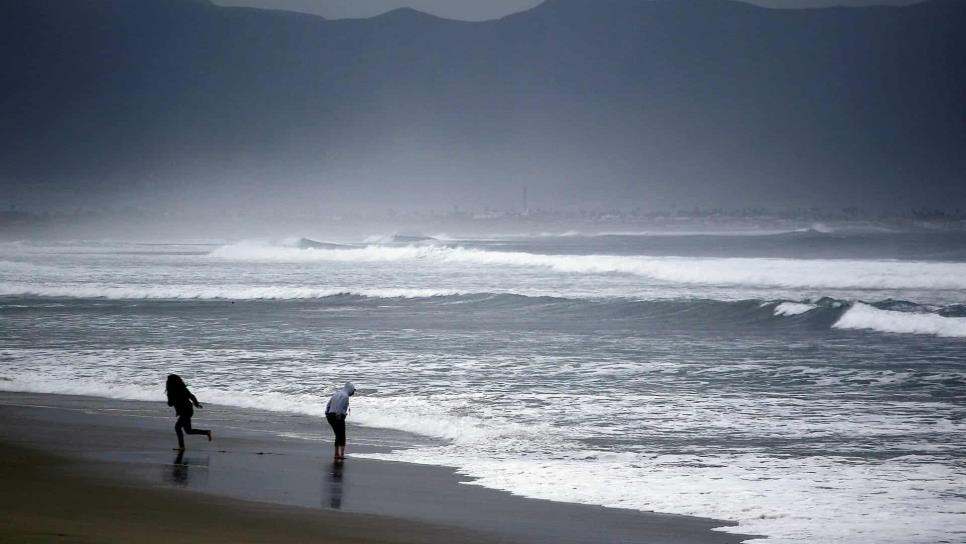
(182, 402)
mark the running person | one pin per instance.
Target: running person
(182, 400)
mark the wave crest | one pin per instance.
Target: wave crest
(753, 272)
(786, 309)
(866, 317)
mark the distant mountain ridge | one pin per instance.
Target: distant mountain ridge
(624, 102)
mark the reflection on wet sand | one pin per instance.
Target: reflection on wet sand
(179, 472)
(334, 490)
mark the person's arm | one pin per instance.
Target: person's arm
(327, 405)
(194, 400)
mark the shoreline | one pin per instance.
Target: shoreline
(282, 462)
(47, 499)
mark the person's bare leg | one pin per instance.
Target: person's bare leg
(209, 436)
(177, 430)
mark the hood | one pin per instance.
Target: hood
(349, 388)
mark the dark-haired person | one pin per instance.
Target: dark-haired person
(335, 413)
(182, 400)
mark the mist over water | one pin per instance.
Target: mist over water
(815, 399)
(697, 257)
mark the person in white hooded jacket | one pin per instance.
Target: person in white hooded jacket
(335, 413)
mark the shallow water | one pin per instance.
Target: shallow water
(816, 399)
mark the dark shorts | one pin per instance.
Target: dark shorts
(338, 427)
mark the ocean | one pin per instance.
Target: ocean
(810, 385)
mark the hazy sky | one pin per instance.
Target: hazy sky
(473, 9)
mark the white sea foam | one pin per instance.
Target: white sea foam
(421, 416)
(415, 416)
(530, 451)
(749, 488)
(786, 309)
(543, 420)
(863, 316)
(757, 272)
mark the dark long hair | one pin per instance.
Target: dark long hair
(175, 388)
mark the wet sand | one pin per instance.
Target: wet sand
(92, 467)
(44, 499)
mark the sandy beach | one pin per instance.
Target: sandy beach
(83, 469)
(45, 499)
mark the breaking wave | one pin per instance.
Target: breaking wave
(890, 316)
(865, 316)
(793, 308)
(756, 272)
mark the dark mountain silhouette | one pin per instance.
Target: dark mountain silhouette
(630, 102)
